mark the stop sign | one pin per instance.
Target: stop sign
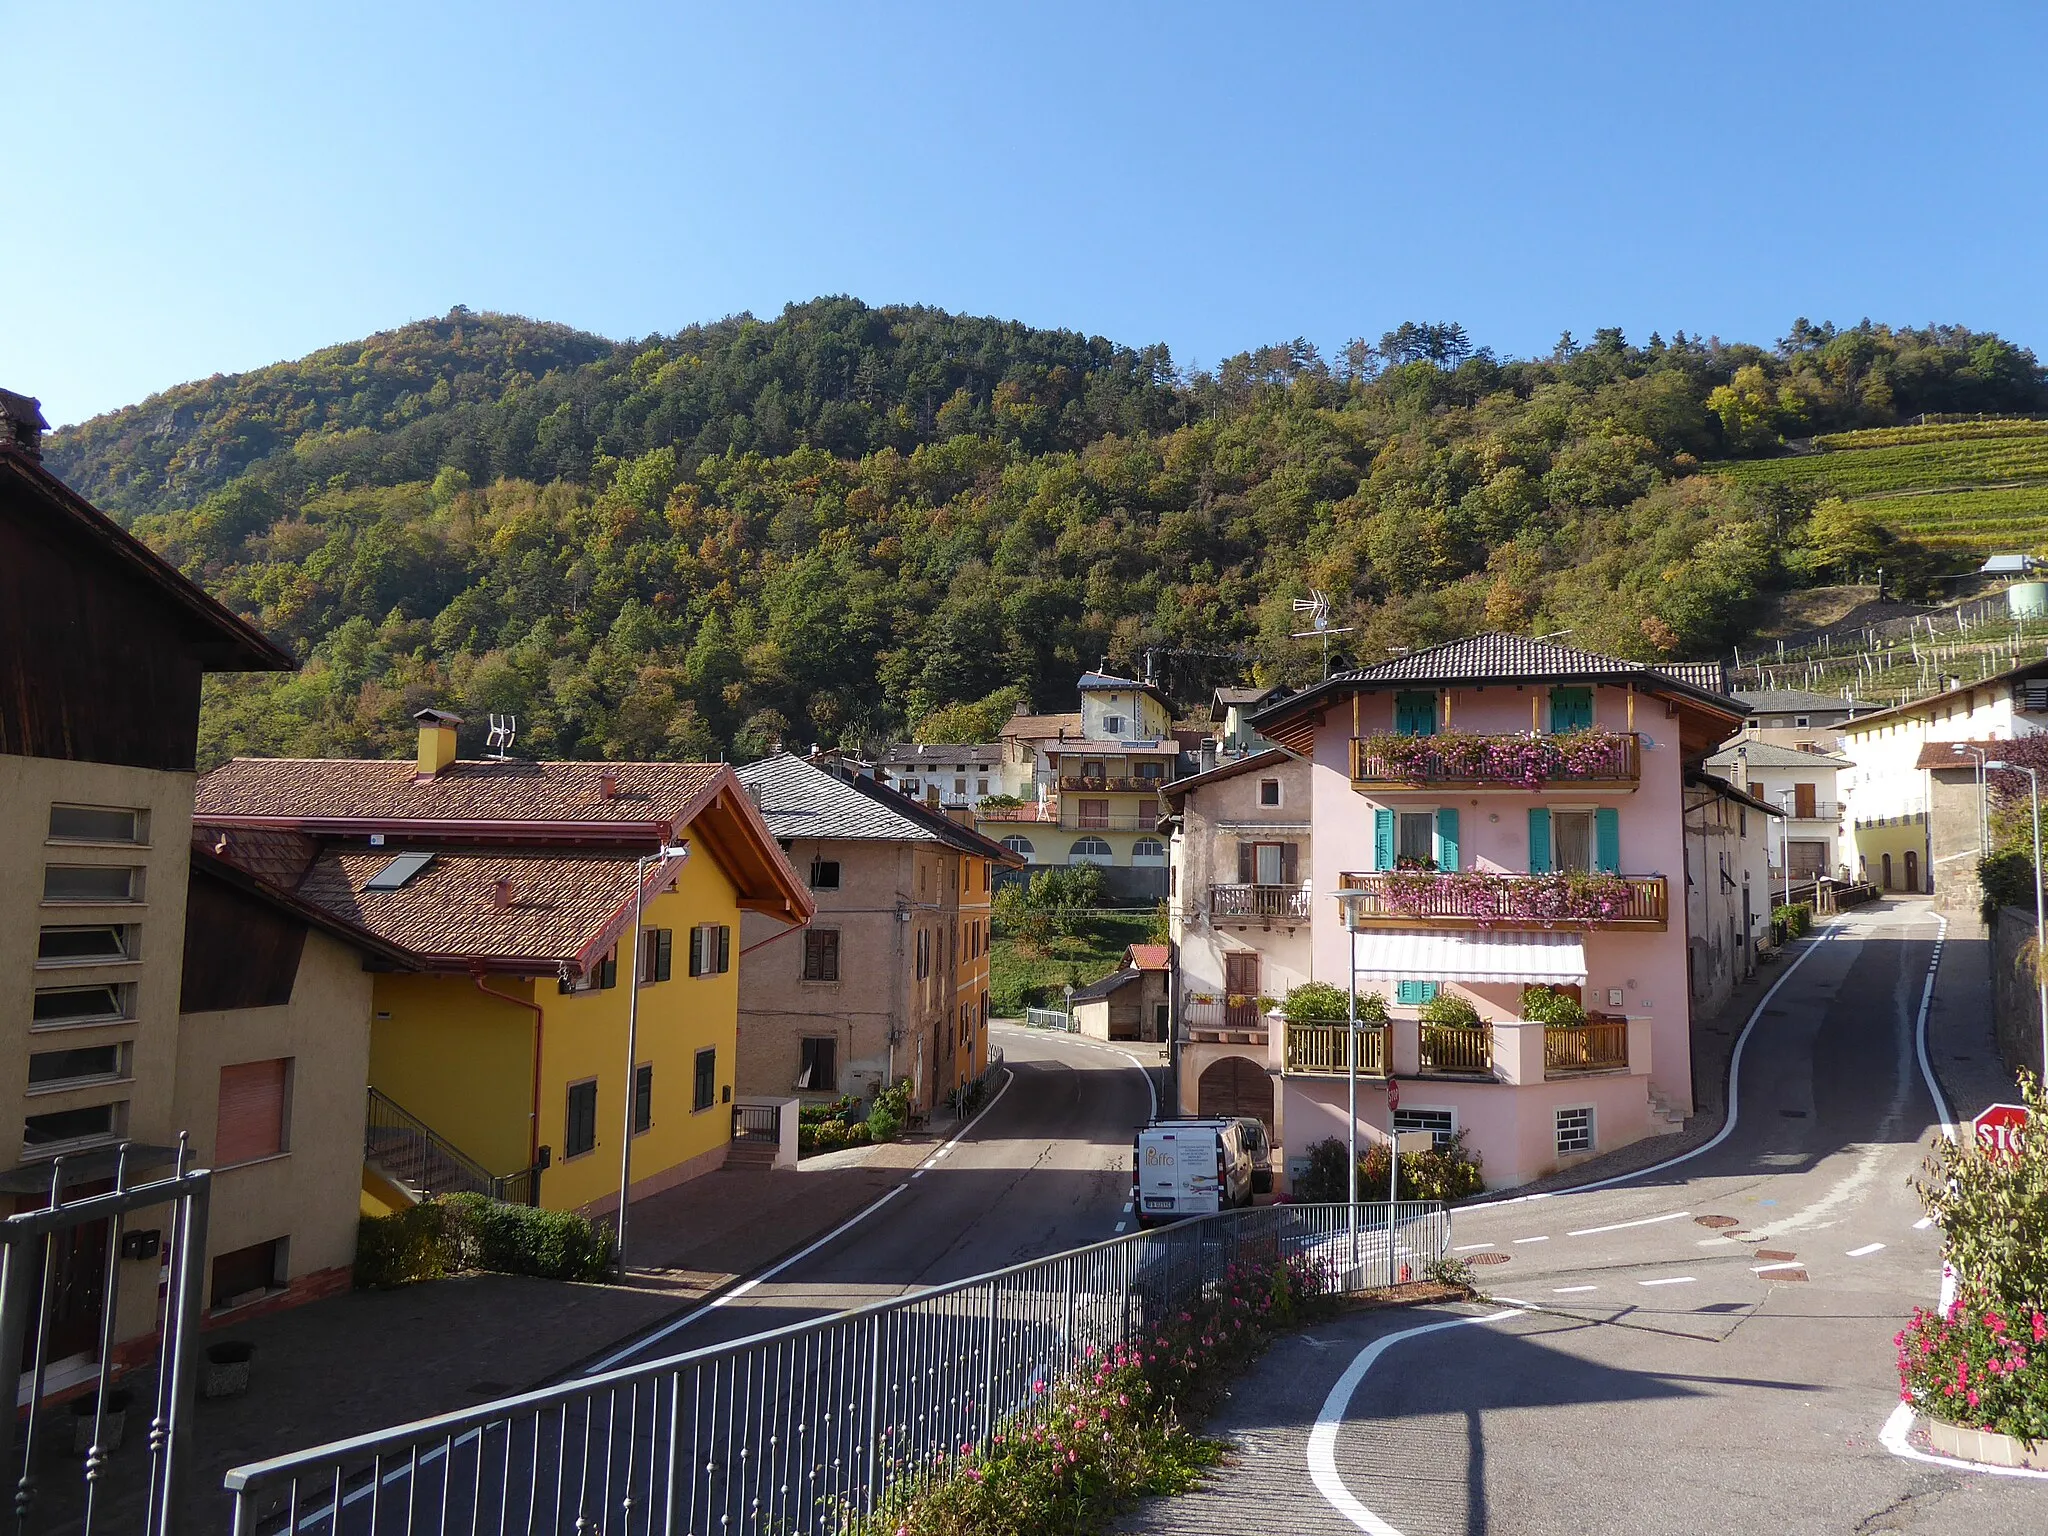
(2000, 1128)
(1394, 1093)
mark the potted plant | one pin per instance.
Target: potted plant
(112, 1425)
(227, 1369)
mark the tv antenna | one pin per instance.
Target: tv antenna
(1317, 606)
(504, 728)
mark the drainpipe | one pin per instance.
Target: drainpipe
(533, 1124)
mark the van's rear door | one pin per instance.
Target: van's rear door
(1158, 1172)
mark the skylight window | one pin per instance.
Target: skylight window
(393, 876)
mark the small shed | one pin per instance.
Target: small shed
(1130, 1003)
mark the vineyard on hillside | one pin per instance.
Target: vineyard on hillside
(1964, 487)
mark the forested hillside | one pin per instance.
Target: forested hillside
(826, 526)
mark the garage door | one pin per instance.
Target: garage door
(1236, 1085)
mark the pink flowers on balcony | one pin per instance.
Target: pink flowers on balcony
(1490, 898)
(1528, 760)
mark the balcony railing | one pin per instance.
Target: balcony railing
(1037, 813)
(1256, 901)
(1322, 1050)
(1457, 1048)
(1456, 759)
(1073, 820)
(1818, 810)
(1598, 1045)
(1112, 783)
(1220, 1016)
(1476, 899)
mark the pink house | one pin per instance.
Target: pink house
(1490, 816)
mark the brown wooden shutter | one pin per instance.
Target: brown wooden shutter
(1247, 863)
(251, 1123)
(724, 949)
(1290, 863)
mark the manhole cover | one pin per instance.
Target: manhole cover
(1488, 1258)
(1777, 1255)
(1716, 1222)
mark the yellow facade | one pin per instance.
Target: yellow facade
(464, 1062)
(971, 986)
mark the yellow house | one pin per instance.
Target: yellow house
(513, 887)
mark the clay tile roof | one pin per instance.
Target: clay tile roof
(386, 790)
(561, 904)
(1943, 754)
(1147, 957)
(276, 857)
(1042, 727)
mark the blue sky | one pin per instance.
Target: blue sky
(214, 187)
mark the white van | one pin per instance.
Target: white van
(1191, 1168)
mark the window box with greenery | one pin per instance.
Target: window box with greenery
(1523, 761)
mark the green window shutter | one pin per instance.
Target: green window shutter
(664, 953)
(1539, 841)
(1571, 709)
(1382, 839)
(1415, 714)
(1413, 994)
(1607, 840)
(1447, 837)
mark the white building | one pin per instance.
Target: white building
(1802, 783)
(1729, 835)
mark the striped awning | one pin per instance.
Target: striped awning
(1427, 955)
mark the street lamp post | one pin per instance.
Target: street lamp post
(2040, 920)
(1983, 818)
(667, 851)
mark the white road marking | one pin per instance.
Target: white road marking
(1765, 1269)
(1717, 1242)
(1513, 1301)
(1127, 1207)
(1893, 1438)
(1121, 1225)
(1672, 1280)
(1322, 1440)
(1923, 1223)
(1616, 1226)
(1468, 1247)
(1532, 1239)
(1865, 1251)
(1571, 1290)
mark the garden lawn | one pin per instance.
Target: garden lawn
(1021, 977)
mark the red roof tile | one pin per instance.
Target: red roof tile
(1148, 957)
(389, 790)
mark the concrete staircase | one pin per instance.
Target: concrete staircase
(1665, 1118)
(745, 1156)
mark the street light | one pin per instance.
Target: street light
(1983, 821)
(2040, 958)
(666, 851)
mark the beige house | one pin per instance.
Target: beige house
(1133, 1001)
(1239, 912)
(890, 979)
(102, 649)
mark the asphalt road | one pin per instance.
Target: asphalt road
(1707, 1347)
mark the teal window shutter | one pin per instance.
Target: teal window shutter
(1413, 994)
(1571, 709)
(1447, 837)
(1415, 714)
(1607, 840)
(1382, 839)
(1539, 841)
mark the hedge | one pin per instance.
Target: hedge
(439, 1237)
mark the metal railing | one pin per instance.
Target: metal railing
(1816, 810)
(1073, 819)
(757, 1122)
(1112, 783)
(1599, 1045)
(1049, 1018)
(1322, 1050)
(1291, 901)
(1457, 1048)
(414, 1154)
(1481, 899)
(805, 1430)
(1518, 760)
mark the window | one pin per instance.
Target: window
(1799, 720)
(579, 1127)
(1575, 1130)
(96, 824)
(1088, 850)
(657, 954)
(1442, 1123)
(250, 1274)
(394, 875)
(710, 949)
(1148, 850)
(1571, 709)
(981, 786)
(1571, 840)
(1149, 771)
(1018, 845)
(924, 954)
(1269, 791)
(1415, 714)
(959, 786)
(1094, 813)
(818, 1063)
(705, 1089)
(910, 788)
(821, 954)
(83, 946)
(59, 1006)
(1113, 725)
(251, 1121)
(604, 974)
(1417, 837)
(91, 883)
(824, 874)
(70, 1127)
(643, 1099)
(68, 1069)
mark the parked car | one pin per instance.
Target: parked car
(1193, 1168)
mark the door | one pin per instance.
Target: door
(1802, 801)
(1269, 864)
(1912, 870)
(1571, 840)
(1571, 709)
(1887, 871)
(1235, 1086)
(78, 1272)
(1241, 984)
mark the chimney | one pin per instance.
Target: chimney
(22, 418)
(437, 741)
(501, 894)
(608, 785)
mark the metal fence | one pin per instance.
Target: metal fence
(1049, 1018)
(413, 1153)
(802, 1431)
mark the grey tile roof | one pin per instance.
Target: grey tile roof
(798, 799)
(935, 756)
(1779, 701)
(1497, 658)
(1763, 754)
(1104, 986)
(1708, 675)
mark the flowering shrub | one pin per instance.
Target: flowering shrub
(1978, 1366)
(1490, 898)
(1118, 1429)
(1446, 1173)
(1531, 761)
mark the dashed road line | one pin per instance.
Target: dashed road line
(1616, 1226)
(1923, 1223)
(1765, 1269)
(1532, 1239)
(1865, 1251)
(1468, 1247)
(1571, 1290)
(1670, 1280)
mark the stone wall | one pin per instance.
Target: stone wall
(2015, 1001)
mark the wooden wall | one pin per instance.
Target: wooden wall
(240, 951)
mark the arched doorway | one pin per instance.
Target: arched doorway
(1887, 871)
(1236, 1085)
(1912, 870)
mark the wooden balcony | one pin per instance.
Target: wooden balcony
(1598, 1045)
(1256, 903)
(1474, 899)
(1322, 1050)
(1457, 1051)
(1609, 760)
